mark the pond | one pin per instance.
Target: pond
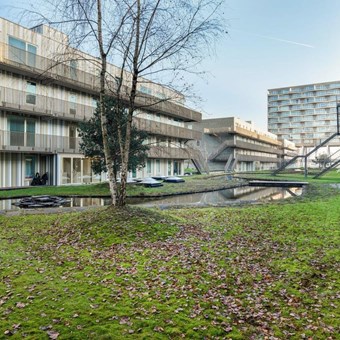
(212, 198)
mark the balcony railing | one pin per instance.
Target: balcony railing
(243, 132)
(15, 100)
(255, 147)
(26, 141)
(13, 58)
(163, 129)
(251, 158)
(34, 142)
(167, 152)
(60, 72)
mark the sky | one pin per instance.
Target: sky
(270, 44)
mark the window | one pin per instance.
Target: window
(29, 166)
(38, 29)
(145, 90)
(73, 103)
(94, 102)
(66, 170)
(31, 55)
(17, 131)
(134, 173)
(31, 90)
(73, 69)
(30, 132)
(72, 136)
(17, 50)
(169, 168)
(160, 95)
(22, 52)
(148, 166)
(158, 166)
(22, 131)
(177, 168)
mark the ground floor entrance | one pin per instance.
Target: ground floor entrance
(19, 169)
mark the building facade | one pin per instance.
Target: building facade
(305, 115)
(231, 144)
(45, 91)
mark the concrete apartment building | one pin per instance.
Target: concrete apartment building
(41, 103)
(305, 115)
(231, 144)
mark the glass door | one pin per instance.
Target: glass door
(17, 131)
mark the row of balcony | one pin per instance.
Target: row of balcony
(162, 129)
(301, 101)
(40, 143)
(259, 148)
(245, 146)
(251, 158)
(302, 91)
(21, 101)
(16, 101)
(60, 72)
(13, 141)
(243, 132)
(247, 158)
(168, 152)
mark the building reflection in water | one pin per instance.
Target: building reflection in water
(221, 197)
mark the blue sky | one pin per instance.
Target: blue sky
(271, 43)
(254, 57)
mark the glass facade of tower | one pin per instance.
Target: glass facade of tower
(304, 114)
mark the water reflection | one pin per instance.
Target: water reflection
(227, 196)
(221, 197)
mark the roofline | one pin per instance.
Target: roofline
(294, 86)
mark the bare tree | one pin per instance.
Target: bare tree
(150, 41)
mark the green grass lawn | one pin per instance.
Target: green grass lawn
(267, 271)
(330, 177)
(191, 184)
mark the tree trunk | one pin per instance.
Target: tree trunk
(125, 149)
(108, 158)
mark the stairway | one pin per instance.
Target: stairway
(328, 168)
(281, 168)
(198, 160)
(219, 150)
(284, 166)
(231, 163)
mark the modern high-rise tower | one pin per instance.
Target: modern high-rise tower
(305, 114)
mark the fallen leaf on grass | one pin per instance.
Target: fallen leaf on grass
(158, 329)
(53, 335)
(20, 305)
